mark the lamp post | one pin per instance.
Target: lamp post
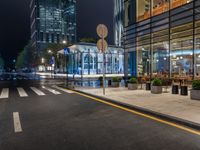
(43, 61)
(66, 64)
(51, 61)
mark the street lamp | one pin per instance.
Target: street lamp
(43, 60)
(66, 59)
(50, 51)
(64, 42)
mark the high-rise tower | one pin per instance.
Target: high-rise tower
(52, 21)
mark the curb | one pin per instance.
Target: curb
(165, 117)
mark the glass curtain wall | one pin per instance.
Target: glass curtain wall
(91, 63)
(182, 50)
(160, 52)
(166, 45)
(197, 49)
(149, 8)
(143, 55)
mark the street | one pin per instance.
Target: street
(39, 116)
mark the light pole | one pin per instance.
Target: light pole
(66, 64)
(43, 62)
(51, 61)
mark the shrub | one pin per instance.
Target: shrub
(115, 79)
(133, 81)
(196, 85)
(157, 82)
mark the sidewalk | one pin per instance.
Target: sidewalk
(78, 76)
(175, 106)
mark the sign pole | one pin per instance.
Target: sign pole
(102, 45)
(104, 71)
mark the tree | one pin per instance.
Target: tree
(52, 50)
(1, 63)
(88, 40)
(26, 57)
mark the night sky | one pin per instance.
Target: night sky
(14, 24)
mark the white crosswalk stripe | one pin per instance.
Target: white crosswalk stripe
(51, 90)
(4, 93)
(61, 89)
(22, 92)
(37, 91)
(17, 123)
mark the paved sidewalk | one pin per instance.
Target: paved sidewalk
(172, 105)
(78, 76)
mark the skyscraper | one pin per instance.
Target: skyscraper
(118, 22)
(52, 21)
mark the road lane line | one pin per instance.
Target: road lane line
(22, 92)
(190, 130)
(17, 123)
(51, 90)
(37, 91)
(64, 90)
(4, 93)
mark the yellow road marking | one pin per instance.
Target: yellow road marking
(141, 114)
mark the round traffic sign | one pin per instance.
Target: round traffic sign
(102, 31)
(102, 45)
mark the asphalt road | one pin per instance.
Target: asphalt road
(61, 120)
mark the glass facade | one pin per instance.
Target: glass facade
(118, 22)
(52, 21)
(85, 59)
(164, 39)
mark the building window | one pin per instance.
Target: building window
(182, 50)
(143, 9)
(52, 38)
(41, 37)
(177, 3)
(143, 60)
(47, 37)
(160, 58)
(159, 6)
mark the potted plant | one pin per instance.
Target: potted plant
(195, 92)
(156, 87)
(133, 84)
(115, 82)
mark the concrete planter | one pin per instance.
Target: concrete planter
(115, 84)
(195, 94)
(132, 86)
(156, 89)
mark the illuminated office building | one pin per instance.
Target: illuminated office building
(52, 21)
(162, 37)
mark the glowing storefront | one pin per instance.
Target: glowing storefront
(85, 59)
(162, 37)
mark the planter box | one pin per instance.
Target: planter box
(195, 94)
(175, 89)
(115, 84)
(132, 86)
(156, 89)
(184, 90)
(148, 86)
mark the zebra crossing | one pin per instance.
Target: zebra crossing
(41, 91)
